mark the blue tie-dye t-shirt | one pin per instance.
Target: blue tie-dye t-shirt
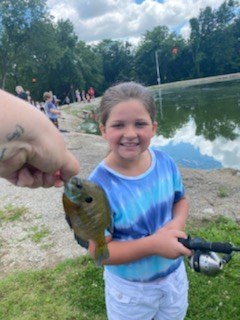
(140, 206)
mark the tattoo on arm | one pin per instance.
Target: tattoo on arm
(16, 133)
(2, 152)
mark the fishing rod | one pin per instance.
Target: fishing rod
(205, 258)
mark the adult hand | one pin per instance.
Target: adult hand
(30, 168)
(32, 150)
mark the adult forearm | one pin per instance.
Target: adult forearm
(19, 119)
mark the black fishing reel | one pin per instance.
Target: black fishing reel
(205, 258)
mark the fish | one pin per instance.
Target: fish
(88, 213)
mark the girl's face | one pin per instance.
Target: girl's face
(129, 129)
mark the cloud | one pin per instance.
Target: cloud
(125, 19)
(224, 151)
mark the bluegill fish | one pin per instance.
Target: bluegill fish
(88, 213)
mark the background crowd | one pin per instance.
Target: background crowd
(50, 103)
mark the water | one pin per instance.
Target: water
(199, 126)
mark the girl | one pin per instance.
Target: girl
(144, 275)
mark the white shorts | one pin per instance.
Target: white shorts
(162, 299)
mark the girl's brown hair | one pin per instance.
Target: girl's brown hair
(123, 92)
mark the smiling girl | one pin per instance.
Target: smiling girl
(144, 275)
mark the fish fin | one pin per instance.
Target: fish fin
(68, 221)
(79, 240)
(101, 253)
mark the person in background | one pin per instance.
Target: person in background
(55, 100)
(21, 93)
(67, 100)
(42, 108)
(51, 109)
(88, 98)
(83, 94)
(37, 105)
(29, 98)
(145, 276)
(91, 92)
(32, 151)
(78, 97)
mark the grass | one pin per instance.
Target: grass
(216, 298)
(39, 233)
(74, 289)
(10, 213)
(222, 192)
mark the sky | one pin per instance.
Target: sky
(95, 20)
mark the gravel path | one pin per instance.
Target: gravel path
(45, 216)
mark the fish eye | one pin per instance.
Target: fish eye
(88, 199)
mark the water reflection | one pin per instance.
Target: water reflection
(200, 126)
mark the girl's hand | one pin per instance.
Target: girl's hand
(165, 243)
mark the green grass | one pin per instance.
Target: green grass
(216, 298)
(10, 213)
(39, 233)
(74, 289)
(222, 192)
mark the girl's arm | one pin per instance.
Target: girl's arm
(180, 215)
(164, 243)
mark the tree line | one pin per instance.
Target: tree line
(41, 54)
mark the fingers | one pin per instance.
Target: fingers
(168, 245)
(184, 251)
(27, 177)
(70, 168)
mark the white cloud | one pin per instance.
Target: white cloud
(225, 151)
(118, 19)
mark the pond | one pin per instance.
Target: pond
(199, 126)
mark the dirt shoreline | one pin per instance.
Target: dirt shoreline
(210, 194)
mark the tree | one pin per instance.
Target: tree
(158, 45)
(213, 41)
(195, 44)
(17, 17)
(90, 65)
(117, 61)
(64, 74)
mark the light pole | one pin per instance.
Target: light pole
(157, 68)
(159, 82)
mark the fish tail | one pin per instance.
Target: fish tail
(101, 253)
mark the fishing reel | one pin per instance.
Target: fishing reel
(205, 258)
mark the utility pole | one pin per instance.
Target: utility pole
(159, 83)
(157, 68)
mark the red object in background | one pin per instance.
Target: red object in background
(174, 50)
